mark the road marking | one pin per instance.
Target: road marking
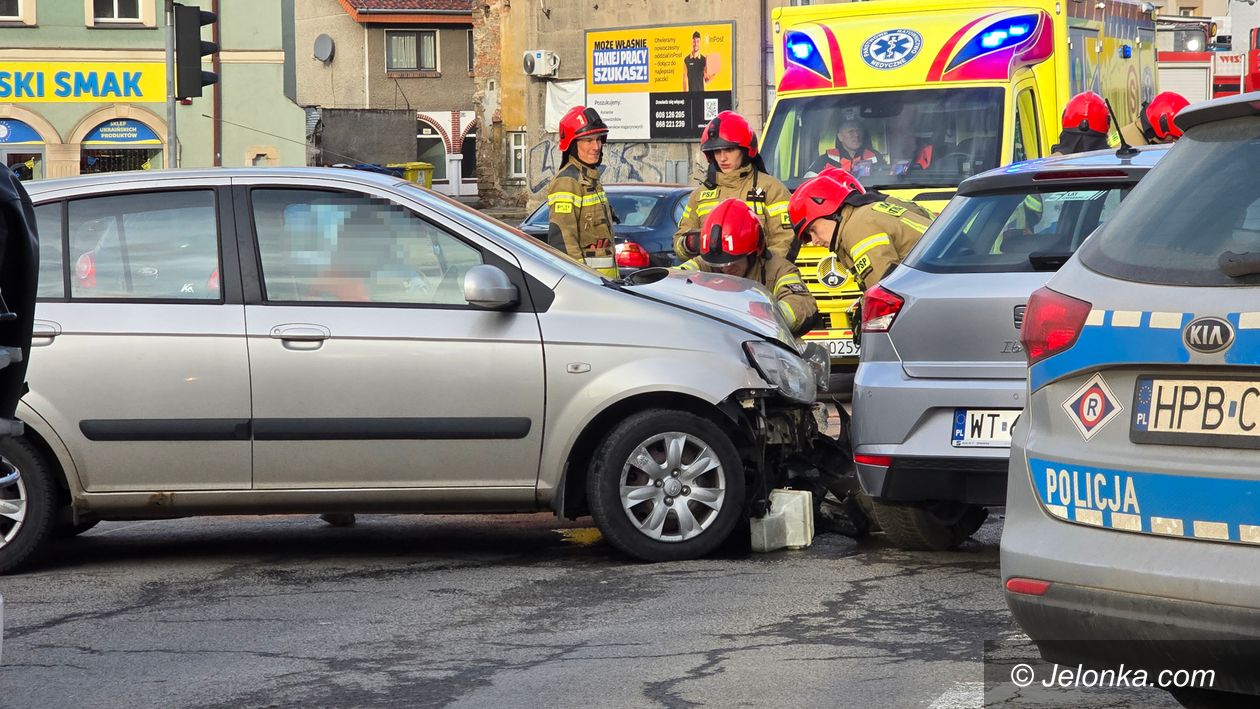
(963, 695)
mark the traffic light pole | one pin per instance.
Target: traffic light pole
(172, 143)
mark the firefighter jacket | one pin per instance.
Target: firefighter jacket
(581, 219)
(767, 197)
(1133, 134)
(858, 163)
(782, 279)
(876, 232)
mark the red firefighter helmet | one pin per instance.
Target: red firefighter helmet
(1086, 111)
(580, 122)
(728, 129)
(844, 177)
(731, 232)
(1161, 111)
(815, 199)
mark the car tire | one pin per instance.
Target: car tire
(1195, 698)
(919, 527)
(652, 508)
(68, 530)
(33, 495)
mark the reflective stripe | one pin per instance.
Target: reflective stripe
(757, 207)
(914, 225)
(593, 199)
(776, 208)
(582, 201)
(705, 208)
(789, 278)
(686, 211)
(870, 242)
(787, 310)
(599, 262)
(691, 265)
(563, 197)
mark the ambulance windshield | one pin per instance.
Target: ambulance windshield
(888, 139)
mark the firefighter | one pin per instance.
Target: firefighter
(735, 172)
(733, 242)
(1154, 123)
(581, 219)
(1086, 123)
(868, 231)
(852, 153)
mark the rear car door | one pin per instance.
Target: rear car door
(370, 369)
(139, 361)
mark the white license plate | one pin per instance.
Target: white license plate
(1204, 412)
(983, 428)
(843, 348)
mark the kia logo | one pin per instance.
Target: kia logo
(1209, 335)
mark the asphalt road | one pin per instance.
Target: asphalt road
(403, 611)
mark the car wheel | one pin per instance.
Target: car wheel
(27, 502)
(666, 486)
(929, 527)
(66, 531)
(1195, 698)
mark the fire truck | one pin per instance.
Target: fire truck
(1197, 63)
(941, 90)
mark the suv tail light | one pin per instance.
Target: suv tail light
(1052, 323)
(631, 255)
(85, 270)
(879, 308)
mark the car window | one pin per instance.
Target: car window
(145, 246)
(632, 209)
(540, 218)
(1201, 201)
(52, 282)
(353, 248)
(1013, 231)
(679, 206)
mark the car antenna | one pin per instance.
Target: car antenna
(1125, 150)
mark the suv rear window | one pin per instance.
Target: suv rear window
(1014, 231)
(1201, 201)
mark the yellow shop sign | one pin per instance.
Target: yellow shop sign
(56, 82)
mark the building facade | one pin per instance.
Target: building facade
(390, 81)
(84, 89)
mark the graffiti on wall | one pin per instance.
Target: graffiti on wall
(623, 162)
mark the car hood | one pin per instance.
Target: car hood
(736, 301)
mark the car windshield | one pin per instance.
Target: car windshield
(632, 209)
(888, 139)
(1014, 231)
(1198, 208)
(521, 241)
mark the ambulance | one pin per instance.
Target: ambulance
(937, 90)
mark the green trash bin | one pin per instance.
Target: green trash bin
(418, 172)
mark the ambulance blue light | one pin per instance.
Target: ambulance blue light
(801, 50)
(994, 39)
(1018, 30)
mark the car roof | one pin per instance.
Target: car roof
(1220, 109)
(1092, 167)
(114, 179)
(644, 188)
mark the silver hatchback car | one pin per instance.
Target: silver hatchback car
(941, 377)
(306, 340)
(1132, 529)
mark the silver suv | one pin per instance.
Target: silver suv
(305, 340)
(1133, 506)
(941, 377)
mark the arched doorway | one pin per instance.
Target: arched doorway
(468, 148)
(431, 147)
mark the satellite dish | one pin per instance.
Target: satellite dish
(324, 48)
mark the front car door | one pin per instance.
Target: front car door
(139, 360)
(369, 368)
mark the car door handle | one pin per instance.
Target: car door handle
(43, 332)
(300, 333)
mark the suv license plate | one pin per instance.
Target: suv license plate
(1197, 412)
(843, 348)
(983, 428)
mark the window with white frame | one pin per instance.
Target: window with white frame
(10, 10)
(121, 10)
(411, 50)
(516, 154)
(472, 55)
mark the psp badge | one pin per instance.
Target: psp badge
(892, 48)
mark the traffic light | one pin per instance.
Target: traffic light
(190, 48)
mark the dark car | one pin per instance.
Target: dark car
(647, 218)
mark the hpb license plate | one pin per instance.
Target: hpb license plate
(983, 428)
(1197, 412)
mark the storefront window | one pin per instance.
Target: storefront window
(22, 149)
(115, 146)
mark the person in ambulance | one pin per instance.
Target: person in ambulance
(869, 232)
(581, 219)
(733, 242)
(852, 153)
(1154, 123)
(1086, 123)
(735, 172)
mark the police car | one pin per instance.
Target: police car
(1133, 501)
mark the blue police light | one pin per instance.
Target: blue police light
(1126, 52)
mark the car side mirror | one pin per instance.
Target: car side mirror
(488, 287)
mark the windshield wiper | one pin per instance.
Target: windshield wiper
(1237, 265)
(1049, 260)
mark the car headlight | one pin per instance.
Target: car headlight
(819, 360)
(784, 370)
